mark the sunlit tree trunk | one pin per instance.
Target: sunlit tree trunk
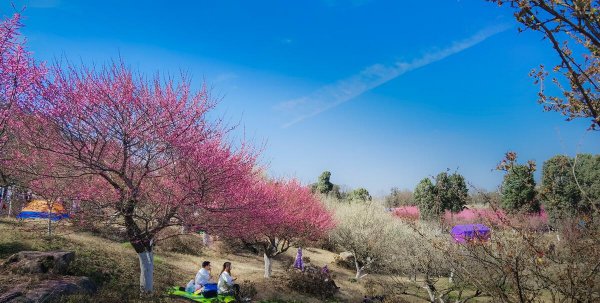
(146, 271)
(268, 265)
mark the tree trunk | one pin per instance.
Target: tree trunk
(146, 271)
(143, 243)
(49, 226)
(359, 273)
(431, 292)
(9, 197)
(3, 198)
(268, 265)
(205, 239)
(50, 207)
(359, 270)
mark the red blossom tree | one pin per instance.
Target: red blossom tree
(287, 212)
(143, 151)
(20, 80)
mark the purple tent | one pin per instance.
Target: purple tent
(470, 232)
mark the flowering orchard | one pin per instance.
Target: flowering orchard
(141, 153)
(286, 212)
(20, 80)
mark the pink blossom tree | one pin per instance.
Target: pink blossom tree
(20, 79)
(144, 151)
(287, 212)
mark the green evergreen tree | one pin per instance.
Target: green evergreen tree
(425, 197)
(360, 195)
(518, 187)
(324, 185)
(449, 192)
(570, 187)
(458, 193)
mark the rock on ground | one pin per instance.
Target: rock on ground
(38, 262)
(49, 290)
(44, 277)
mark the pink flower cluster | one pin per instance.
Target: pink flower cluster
(409, 213)
(478, 215)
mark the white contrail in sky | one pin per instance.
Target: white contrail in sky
(344, 90)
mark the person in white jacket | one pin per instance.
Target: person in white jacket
(202, 278)
(226, 285)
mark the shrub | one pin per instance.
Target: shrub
(247, 290)
(409, 213)
(359, 195)
(311, 282)
(398, 198)
(344, 263)
(189, 244)
(494, 218)
(367, 231)
(228, 245)
(325, 244)
(287, 261)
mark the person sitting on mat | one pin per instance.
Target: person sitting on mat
(225, 284)
(202, 278)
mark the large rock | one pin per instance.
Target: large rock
(49, 290)
(12, 296)
(38, 262)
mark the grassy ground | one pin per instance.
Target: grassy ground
(114, 265)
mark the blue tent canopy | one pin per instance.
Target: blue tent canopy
(41, 215)
(41, 209)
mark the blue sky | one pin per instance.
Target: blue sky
(380, 93)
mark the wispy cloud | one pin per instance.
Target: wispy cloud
(287, 41)
(224, 77)
(332, 95)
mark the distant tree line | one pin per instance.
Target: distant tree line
(325, 187)
(569, 188)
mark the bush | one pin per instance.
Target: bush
(232, 246)
(398, 198)
(247, 290)
(344, 263)
(190, 244)
(408, 213)
(287, 261)
(312, 282)
(375, 288)
(326, 244)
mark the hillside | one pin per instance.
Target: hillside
(114, 265)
